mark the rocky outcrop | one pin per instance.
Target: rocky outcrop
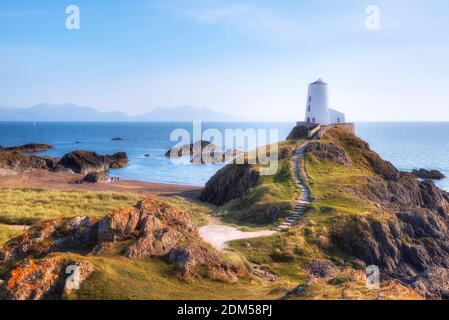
(428, 174)
(51, 236)
(231, 182)
(329, 152)
(407, 246)
(95, 177)
(45, 279)
(322, 268)
(28, 148)
(406, 236)
(17, 163)
(150, 229)
(89, 161)
(190, 149)
(405, 193)
(299, 132)
(214, 157)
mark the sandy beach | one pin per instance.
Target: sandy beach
(64, 181)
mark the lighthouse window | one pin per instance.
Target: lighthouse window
(313, 120)
(308, 120)
(310, 98)
(308, 108)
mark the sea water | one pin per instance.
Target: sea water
(407, 145)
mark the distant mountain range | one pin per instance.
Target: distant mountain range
(72, 112)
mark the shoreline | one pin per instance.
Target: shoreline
(64, 182)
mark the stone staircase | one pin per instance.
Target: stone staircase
(305, 199)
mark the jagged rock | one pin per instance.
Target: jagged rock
(403, 246)
(19, 163)
(44, 279)
(433, 283)
(405, 192)
(89, 161)
(322, 268)
(28, 148)
(298, 132)
(231, 182)
(119, 225)
(51, 236)
(150, 229)
(198, 147)
(330, 152)
(428, 174)
(212, 156)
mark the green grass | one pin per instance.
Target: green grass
(32, 206)
(7, 232)
(330, 185)
(125, 279)
(277, 191)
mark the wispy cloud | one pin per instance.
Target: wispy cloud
(248, 18)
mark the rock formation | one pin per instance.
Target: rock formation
(191, 149)
(408, 238)
(298, 132)
(17, 162)
(330, 152)
(150, 229)
(428, 174)
(44, 279)
(88, 161)
(230, 183)
(95, 177)
(28, 148)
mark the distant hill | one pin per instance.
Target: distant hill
(184, 113)
(72, 112)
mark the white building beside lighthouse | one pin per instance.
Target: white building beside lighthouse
(317, 107)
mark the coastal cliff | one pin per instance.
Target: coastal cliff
(364, 212)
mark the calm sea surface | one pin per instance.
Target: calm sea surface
(407, 145)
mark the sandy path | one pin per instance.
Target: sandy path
(218, 235)
(62, 181)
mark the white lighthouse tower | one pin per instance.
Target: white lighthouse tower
(317, 108)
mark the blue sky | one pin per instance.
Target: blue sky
(248, 57)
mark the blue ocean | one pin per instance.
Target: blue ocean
(407, 145)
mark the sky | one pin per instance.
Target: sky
(253, 58)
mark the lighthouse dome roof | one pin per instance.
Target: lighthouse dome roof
(320, 82)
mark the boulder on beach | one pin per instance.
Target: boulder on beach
(82, 161)
(95, 177)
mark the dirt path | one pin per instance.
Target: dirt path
(219, 235)
(305, 199)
